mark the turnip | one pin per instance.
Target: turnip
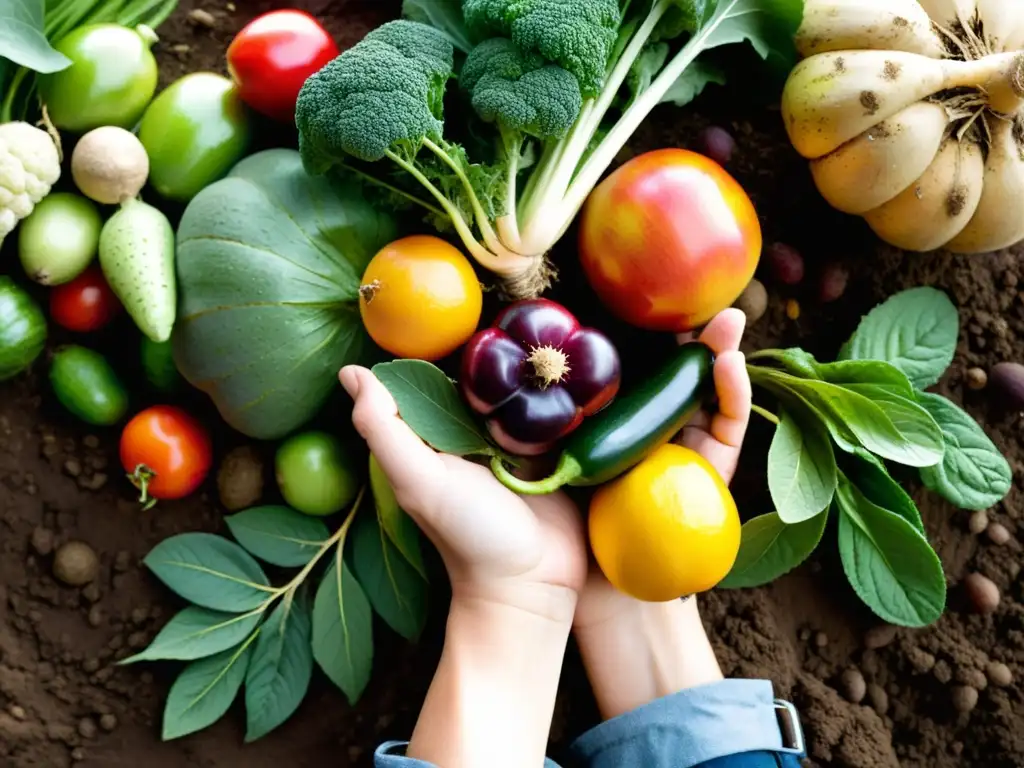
(137, 257)
(912, 114)
(29, 167)
(58, 240)
(110, 165)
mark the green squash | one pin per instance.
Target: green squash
(269, 261)
(22, 329)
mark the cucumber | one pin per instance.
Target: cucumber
(137, 257)
(158, 364)
(22, 329)
(87, 386)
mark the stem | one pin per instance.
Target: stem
(395, 190)
(568, 469)
(764, 413)
(999, 76)
(508, 225)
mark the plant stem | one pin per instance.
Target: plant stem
(395, 190)
(764, 413)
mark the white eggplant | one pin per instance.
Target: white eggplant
(912, 115)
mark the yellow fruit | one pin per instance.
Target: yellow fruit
(667, 528)
(420, 298)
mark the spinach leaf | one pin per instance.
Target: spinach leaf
(868, 473)
(853, 374)
(770, 548)
(444, 15)
(915, 330)
(973, 473)
(888, 562)
(23, 40)
(801, 467)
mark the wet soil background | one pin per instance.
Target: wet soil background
(871, 696)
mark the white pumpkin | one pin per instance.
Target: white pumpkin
(912, 115)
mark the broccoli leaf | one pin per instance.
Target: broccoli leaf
(646, 67)
(768, 25)
(692, 82)
(443, 15)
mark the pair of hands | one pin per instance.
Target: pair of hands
(531, 552)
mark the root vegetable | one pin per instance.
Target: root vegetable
(832, 283)
(1008, 379)
(912, 115)
(59, 239)
(240, 478)
(110, 165)
(786, 263)
(29, 167)
(75, 564)
(717, 143)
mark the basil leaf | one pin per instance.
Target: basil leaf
(395, 590)
(22, 37)
(343, 630)
(204, 691)
(870, 476)
(915, 330)
(801, 468)
(278, 535)
(973, 473)
(280, 669)
(430, 404)
(770, 548)
(210, 571)
(444, 15)
(195, 632)
(401, 530)
(889, 564)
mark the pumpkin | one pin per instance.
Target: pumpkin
(269, 261)
(912, 115)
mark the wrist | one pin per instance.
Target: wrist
(646, 651)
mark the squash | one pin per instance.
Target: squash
(912, 115)
(269, 261)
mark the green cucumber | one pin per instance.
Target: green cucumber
(137, 257)
(22, 329)
(628, 430)
(158, 364)
(87, 386)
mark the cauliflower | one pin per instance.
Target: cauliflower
(29, 167)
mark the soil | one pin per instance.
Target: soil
(870, 695)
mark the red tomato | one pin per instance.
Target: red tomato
(166, 453)
(669, 240)
(273, 56)
(85, 304)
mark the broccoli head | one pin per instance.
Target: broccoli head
(577, 35)
(520, 91)
(385, 91)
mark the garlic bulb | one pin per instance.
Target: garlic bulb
(912, 115)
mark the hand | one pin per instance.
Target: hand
(527, 552)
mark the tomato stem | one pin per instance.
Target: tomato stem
(141, 478)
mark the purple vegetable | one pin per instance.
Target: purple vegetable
(536, 374)
(716, 143)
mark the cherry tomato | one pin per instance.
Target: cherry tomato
(272, 57)
(166, 453)
(669, 240)
(85, 304)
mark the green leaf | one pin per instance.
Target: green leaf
(445, 15)
(22, 39)
(768, 25)
(195, 632)
(888, 562)
(692, 82)
(401, 530)
(430, 404)
(204, 690)
(278, 535)
(854, 374)
(915, 330)
(801, 468)
(395, 590)
(210, 571)
(269, 261)
(280, 669)
(343, 630)
(973, 473)
(909, 418)
(770, 548)
(868, 473)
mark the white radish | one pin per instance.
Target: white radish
(888, 25)
(927, 214)
(137, 257)
(998, 221)
(950, 12)
(883, 161)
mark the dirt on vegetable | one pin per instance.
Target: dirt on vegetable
(870, 695)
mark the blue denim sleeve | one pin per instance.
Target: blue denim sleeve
(729, 724)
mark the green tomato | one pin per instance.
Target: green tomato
(315, 474)
(158, 364)
(86, 385)
(111, 79)
(22, 329)
(59, 238)
(193, 132)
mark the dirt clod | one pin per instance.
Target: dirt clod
(982, 592)
(202, 18)
(753, 302)
(75, 563)
(998, 534)
(42, 541)
(879, 636)
(977, 522)
(964, 698)
(976, 378)
(878, 698)
(87, 728)
(999, 674)
(108, 722)
(854, 687)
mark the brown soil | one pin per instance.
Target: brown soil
(928, 695)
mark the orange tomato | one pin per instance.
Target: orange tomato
(166, 453)
(420, 298)
(668, 528)
(669, 240)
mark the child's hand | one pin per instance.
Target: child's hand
(497, 546)
(718, 437)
